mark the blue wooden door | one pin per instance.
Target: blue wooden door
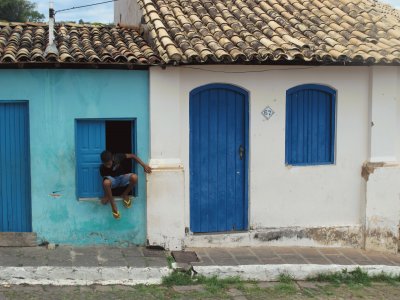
(218, 158)
(91, 141)
(15, 184)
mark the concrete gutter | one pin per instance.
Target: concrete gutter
(48, 275)
(297, 271)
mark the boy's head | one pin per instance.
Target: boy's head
(106, 158)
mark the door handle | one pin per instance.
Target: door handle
(241, 152)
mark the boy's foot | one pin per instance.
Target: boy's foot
(127, 201)
(116, 215)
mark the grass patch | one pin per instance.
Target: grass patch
(286, 285)
(170, 260)
(178, 278)
(215, 284)
(285, 278)
(285, 288)
(185, 278)
(391, 279)
(355, 277)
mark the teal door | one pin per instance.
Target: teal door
(15, 180)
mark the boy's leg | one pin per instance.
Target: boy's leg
(108, 194)
(133, 179)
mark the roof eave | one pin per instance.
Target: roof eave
(298, 62)
(83, 65)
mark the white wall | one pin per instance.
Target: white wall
(398, 113)
(383, 209)
(127, 12)
(279, 195)
(383, 112)
(166, 185)
(296, 196)
(382, 212)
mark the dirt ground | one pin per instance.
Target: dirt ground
(237, 291)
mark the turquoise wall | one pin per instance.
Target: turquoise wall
(56, 98)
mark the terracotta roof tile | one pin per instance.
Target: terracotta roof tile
(197, 31)
(26, 42)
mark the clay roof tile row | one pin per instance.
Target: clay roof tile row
(261, 31)
(222, 31)
(76, 44)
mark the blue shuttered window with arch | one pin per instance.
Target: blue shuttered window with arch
(310, 125)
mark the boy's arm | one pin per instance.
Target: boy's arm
(146, 168)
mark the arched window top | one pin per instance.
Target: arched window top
(219, 86)
(316, 87)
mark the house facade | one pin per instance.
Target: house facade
(272, 123)
(57, 114)
(305, 204)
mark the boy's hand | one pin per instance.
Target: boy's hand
(147, 169)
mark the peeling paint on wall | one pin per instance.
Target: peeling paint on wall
(323, 235)
(381, 239)
(369, 168)
(341, 236)
(383, 209)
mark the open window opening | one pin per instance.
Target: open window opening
(94, 136)
(119, 140)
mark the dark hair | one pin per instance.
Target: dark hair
(106, 156)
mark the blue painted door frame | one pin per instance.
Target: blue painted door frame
(15, 183)
(219, 150)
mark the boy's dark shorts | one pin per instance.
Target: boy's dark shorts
(119, 181)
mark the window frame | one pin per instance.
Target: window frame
(133, 146)
(333, 93)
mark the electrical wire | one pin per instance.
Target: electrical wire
(76, 7)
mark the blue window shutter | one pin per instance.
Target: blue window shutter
(91, 141)
(310, 125)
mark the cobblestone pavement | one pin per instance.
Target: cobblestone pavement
(244, 291)
(66, 256)
(291, 255)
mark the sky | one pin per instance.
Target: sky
(102, 13)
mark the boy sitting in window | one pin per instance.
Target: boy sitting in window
(113, 177)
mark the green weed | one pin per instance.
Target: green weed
(170, 260)
(178, 278)
(355, 277)
(285, 278)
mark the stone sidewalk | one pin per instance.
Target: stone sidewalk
(73, 266)
(291, 255)
(66, 256)
(268, 263)
(106, 265)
